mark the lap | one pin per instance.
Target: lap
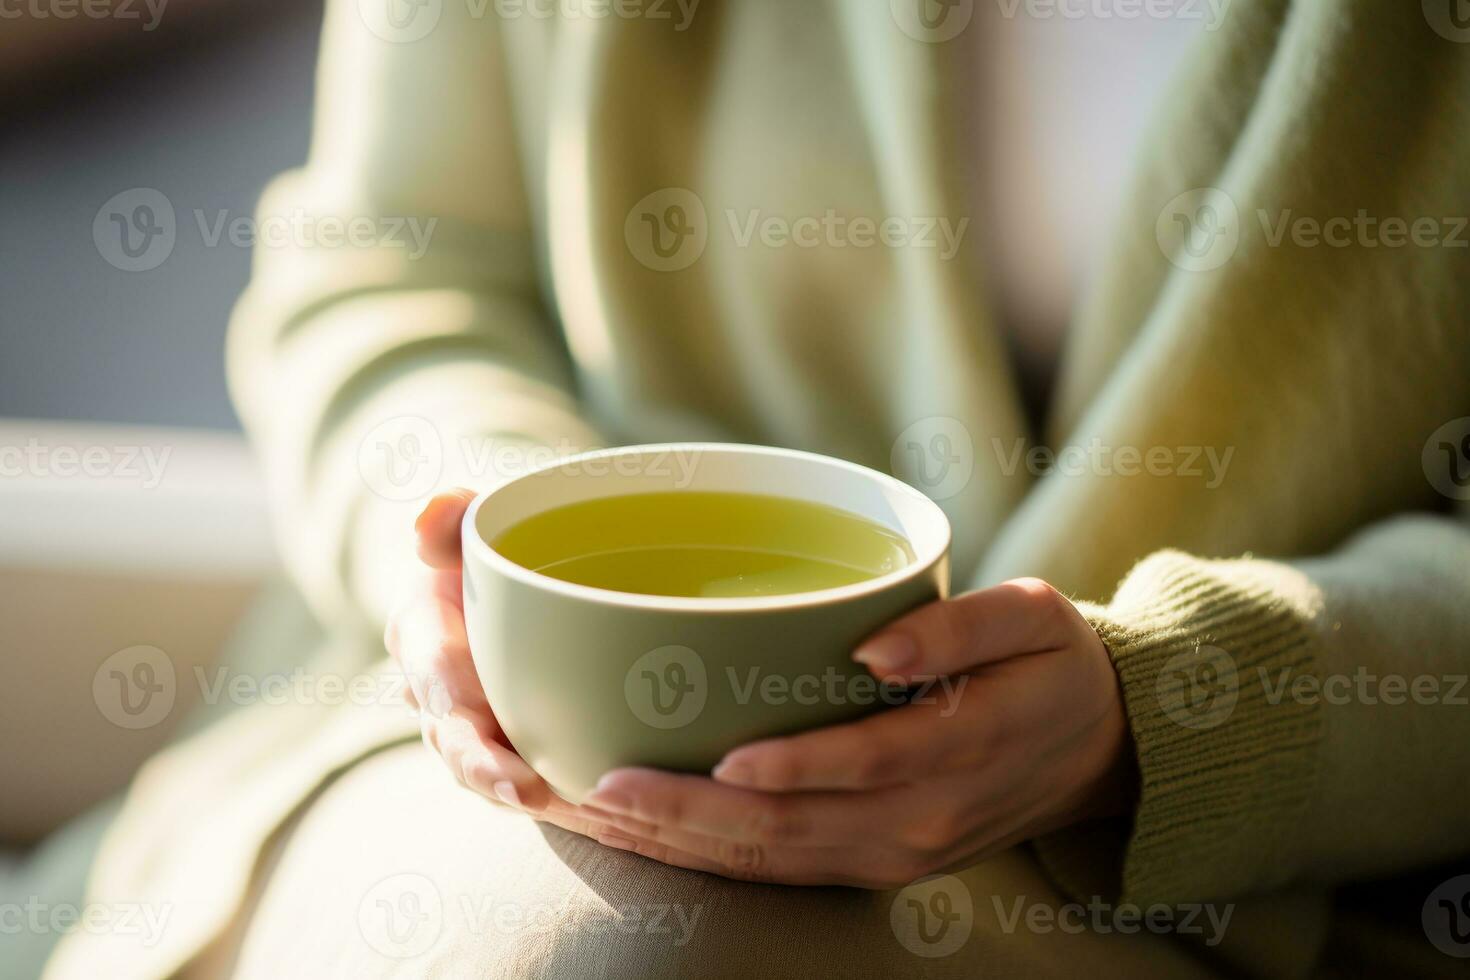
(396, 870)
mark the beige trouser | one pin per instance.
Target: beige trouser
(396, 871)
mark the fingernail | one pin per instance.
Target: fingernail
(613, 840)
(418, 522)
(889, 653)
(610, 799)
(736, 773)
(506, 790)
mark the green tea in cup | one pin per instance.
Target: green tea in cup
(704, 544)
(740, 583)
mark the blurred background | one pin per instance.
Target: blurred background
(130, 511)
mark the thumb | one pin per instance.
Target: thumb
(437, 528)
(951, 636)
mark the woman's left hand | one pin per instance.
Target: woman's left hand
(1023, 733)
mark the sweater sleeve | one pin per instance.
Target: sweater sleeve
(391, 342)
(1301, 721)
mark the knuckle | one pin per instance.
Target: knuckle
(928, 836)
(652, 850)
(640, 846)
(1038, 591)
(742, 857)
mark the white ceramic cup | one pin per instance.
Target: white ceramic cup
(584, 680)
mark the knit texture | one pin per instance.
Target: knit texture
(1225, 764)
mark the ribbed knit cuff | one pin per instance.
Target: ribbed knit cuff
(1226, 764)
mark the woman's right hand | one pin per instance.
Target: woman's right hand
(426, 635)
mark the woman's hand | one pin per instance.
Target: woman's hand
(426, 635)
(1029, 735)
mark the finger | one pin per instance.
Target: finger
(443, 583)
(853, 867)
(619, 830)
(437, 528)
(751, 863)
(464, 740)
(703, 806)
(427, 638)
(662, 853)
(426, 584)
(947, 725)
(574, 821)
(951, 636)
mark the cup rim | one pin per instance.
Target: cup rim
(923, 562)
